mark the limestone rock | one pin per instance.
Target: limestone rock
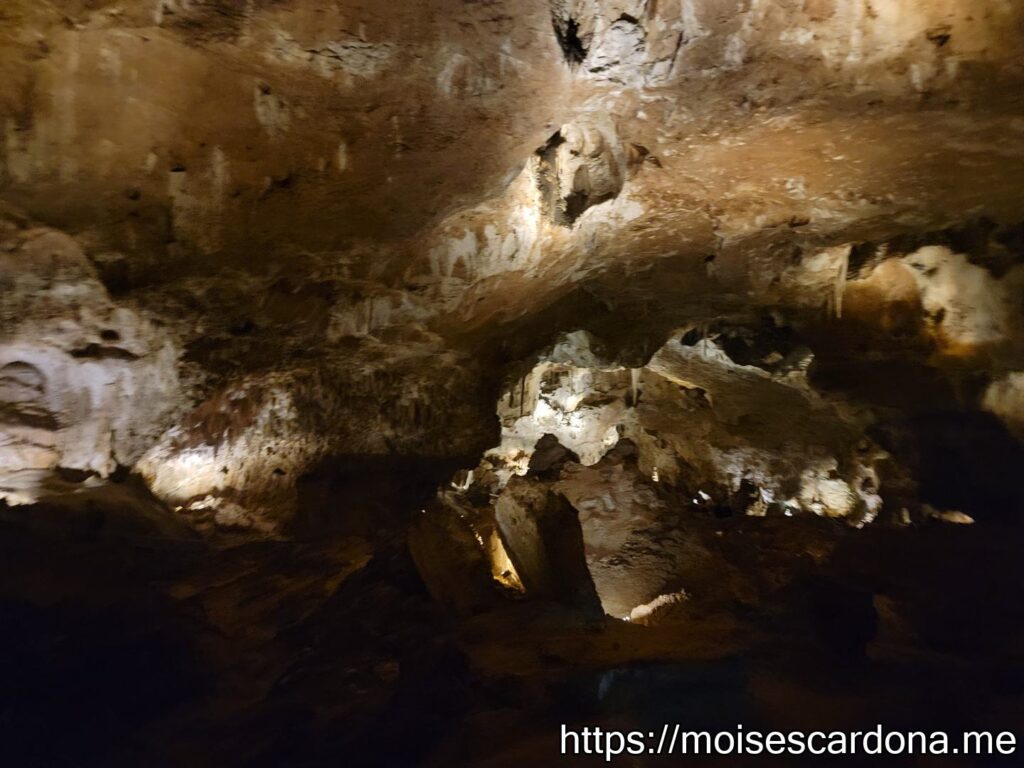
(541, 532)
(86, 383)
(451, 560)
(549, 456)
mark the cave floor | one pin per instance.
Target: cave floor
(330, 652)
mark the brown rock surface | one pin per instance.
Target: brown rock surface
(541, 533)
(332, 333)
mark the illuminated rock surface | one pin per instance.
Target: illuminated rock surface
(313, 316)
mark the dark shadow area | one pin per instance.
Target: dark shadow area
(963, 460)
(567, 33)
(326, 653)
(364, 495)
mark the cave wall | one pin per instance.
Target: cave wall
(348, 230)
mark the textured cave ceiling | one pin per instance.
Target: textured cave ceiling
(458, 274)
(241, 233)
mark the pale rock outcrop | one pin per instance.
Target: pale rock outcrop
(971, 307)
(1005, 398)
(85, 383)
(701, 420)
(755, 426)
(569, 394)
(582, 165)
(234, 461)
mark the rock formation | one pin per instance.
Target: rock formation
(509, 313)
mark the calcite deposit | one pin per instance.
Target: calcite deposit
(502, 317)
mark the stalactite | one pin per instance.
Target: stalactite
(634, 384)
(702, 329)
(839, 287)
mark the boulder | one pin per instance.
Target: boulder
(451, 560)
(541, 532)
